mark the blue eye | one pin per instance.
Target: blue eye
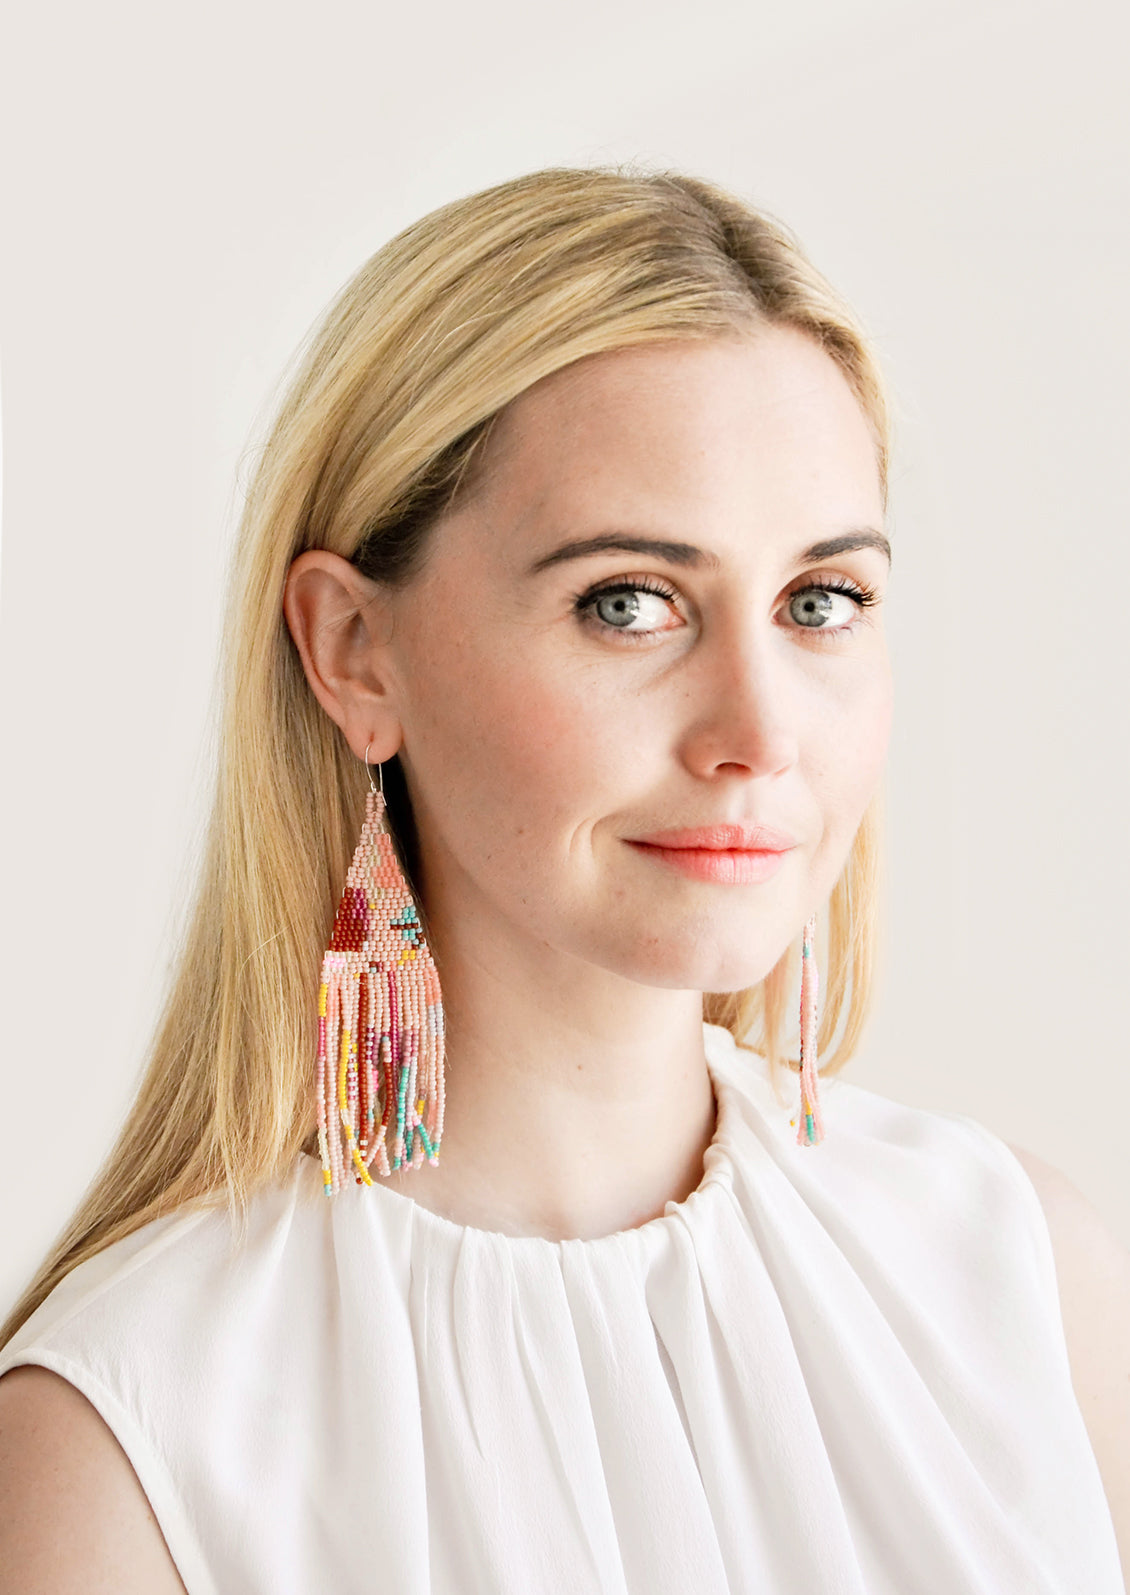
(618, 605)
(810, 606)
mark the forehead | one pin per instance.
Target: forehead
(765, 418)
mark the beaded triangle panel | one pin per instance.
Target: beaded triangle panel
(380, 1023)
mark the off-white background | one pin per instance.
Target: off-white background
(185, 188)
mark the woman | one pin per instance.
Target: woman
(567, 545)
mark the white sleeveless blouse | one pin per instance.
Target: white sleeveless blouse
(831, 1370)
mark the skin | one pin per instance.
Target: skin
(535, 744)
(73, 1518)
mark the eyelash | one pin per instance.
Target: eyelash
(864, 597)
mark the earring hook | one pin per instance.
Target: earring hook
(380, 771)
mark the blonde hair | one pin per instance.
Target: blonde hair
(392, 400)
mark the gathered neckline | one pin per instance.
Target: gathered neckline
(381, 1201)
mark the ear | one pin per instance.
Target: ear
(341, 625)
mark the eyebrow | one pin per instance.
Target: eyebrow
(687, 554)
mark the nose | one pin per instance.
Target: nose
(743, 710)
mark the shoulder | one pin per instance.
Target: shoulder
(1093, 1272)
(73, 1516)
(100, 1440)
(157, 1303)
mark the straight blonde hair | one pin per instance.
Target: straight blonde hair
(386, 414)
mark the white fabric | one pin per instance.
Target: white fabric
(832, 1370)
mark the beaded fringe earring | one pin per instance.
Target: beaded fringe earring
(380, 1020)
(810, 1130)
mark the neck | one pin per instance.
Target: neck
(578, 1103)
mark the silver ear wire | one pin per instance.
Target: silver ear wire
(380, 772)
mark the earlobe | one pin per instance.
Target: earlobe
(336, 621)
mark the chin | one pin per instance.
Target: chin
(684, 966)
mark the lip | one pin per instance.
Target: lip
(720, 839)
(733, 855)
(726, 866)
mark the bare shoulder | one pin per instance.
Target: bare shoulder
(73, 1516)
(1093, 1271)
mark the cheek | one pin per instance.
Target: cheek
(847, 755)
(516, 755)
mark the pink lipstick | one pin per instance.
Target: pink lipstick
(734, 855)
